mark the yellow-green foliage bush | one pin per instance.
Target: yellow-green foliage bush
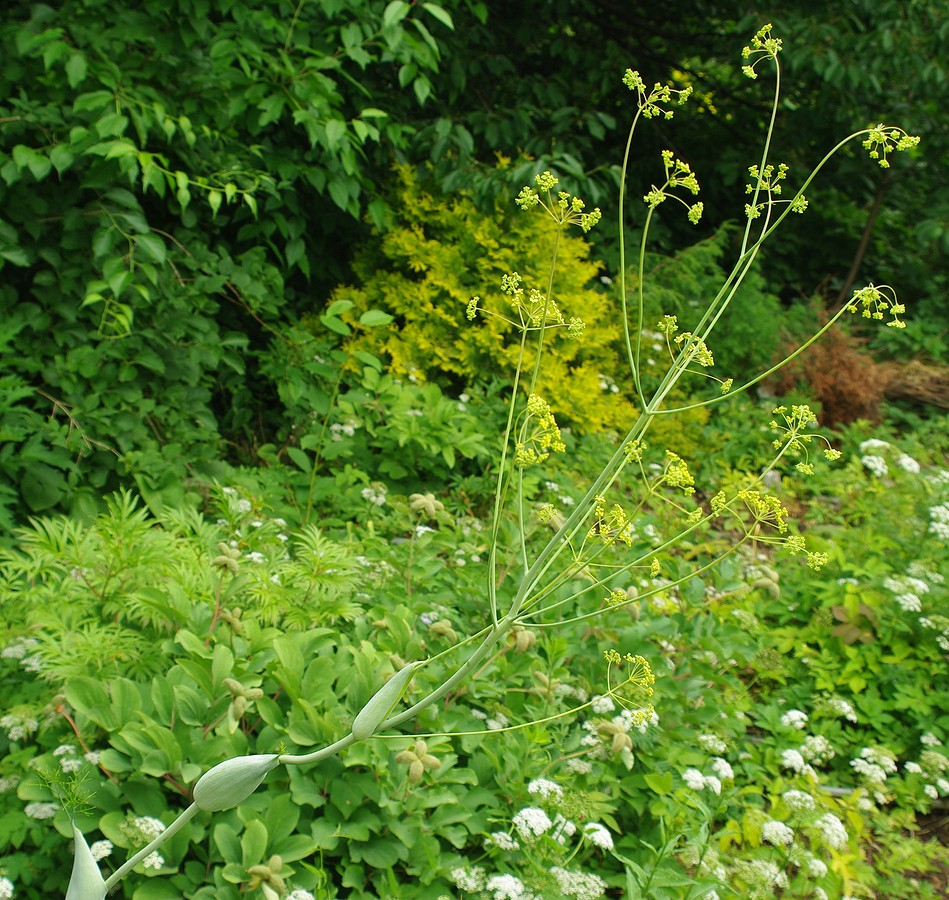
(439, 252)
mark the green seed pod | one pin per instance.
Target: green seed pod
(86, 882)
(232, 781)
(374, 713)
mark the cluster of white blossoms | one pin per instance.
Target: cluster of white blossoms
(696, 781)
(876, 452)
(712, 743)
(41, 810)
(537, 835)
(839, 707)
(907, 590)
(777, 833)
(932, 766)
(68, 760)
(817, 749)
(875, 764)
(794, 718)
(939, 521)
(832, 831)
(531, 822)
(876, 465)
(375, 494)
(6, 888)
(799, 801)
(18, 727)
(793, 760)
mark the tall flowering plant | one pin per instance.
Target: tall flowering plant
(579, 572)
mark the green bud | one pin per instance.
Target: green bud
(86, 882)
(232, 781)
(374, 713)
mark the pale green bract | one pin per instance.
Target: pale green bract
(86, 882)
(375, 712)
(232, 781)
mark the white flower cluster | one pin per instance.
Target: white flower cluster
(6, 889)
(840, 707)
(375, 494)
(492, 723)
(873, 460)
(794, 718)
(18, 649)
(8, 783)
(38, 810)
(832, 831)
(722, 768)
(598, 835)
(817, 749)
(545, 788)
(939, 521)
(712, 743)
(799, 801)
(876, 465)
(907, 590)
(696, 781)
(68, 761)
(763, 875)
(874, 764)
(339, 430)
(101, 849)
(300, 894)
(531, 822)
(143, 830)
(792, 759)
(18, 727)
(502, 840)
(581, 885)
(777, 833)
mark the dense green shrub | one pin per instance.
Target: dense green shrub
(437, 253)
(165, 178)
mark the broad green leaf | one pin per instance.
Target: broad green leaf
(394, 13)
(334, 324)
(442, 15)
(337, 307)
(254, 843)
(76, 69)
(61, 157)
(335, 132)
(374, 317)
(152, 246)
(660, 784)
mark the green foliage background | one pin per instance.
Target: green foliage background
(237, 241)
